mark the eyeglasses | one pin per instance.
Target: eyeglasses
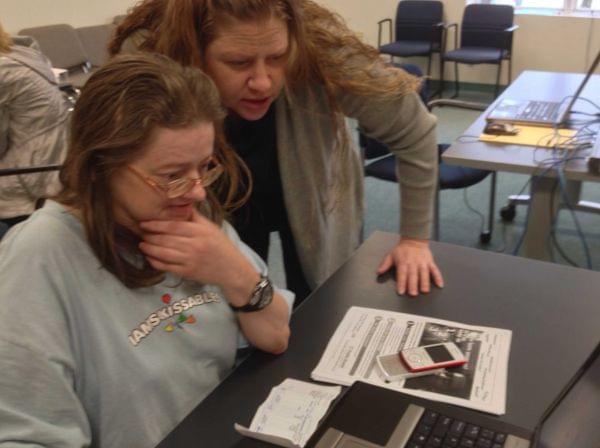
(209, 172)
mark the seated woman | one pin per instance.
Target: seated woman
(33, 126)
(124, 300)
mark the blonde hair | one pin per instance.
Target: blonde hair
(119, 107)
(5, 40)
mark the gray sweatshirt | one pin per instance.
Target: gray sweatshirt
(86, 361)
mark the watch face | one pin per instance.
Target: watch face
(265, 295)
(262, 295)
(255, 297)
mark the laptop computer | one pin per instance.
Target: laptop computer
(369, 416)
(538, 113)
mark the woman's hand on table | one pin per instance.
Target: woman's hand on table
(415, 267)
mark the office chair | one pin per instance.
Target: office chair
(419, 31)
(486, 38)
(94, 40)
(61, 44)
(450, 176)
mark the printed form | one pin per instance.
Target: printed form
(366, 333)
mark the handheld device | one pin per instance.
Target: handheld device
(434, 356)
(496, 128)
(393, 369)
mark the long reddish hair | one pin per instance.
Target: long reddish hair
(320, 42)
(323, 50)
(5, 40)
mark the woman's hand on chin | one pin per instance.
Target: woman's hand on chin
(199, 250)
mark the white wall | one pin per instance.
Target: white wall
(18, 14)
(541, 43)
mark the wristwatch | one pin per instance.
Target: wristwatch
(261, 297)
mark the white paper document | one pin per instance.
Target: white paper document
(366, 333)
(290, 413)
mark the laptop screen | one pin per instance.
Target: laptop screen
(581, 86)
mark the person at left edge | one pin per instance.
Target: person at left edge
(116, 298)
(34, 116)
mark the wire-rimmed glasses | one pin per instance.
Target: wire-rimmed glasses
(209, 172)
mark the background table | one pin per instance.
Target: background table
(552, 310)
(532, 85)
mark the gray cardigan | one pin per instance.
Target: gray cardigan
(323, 185)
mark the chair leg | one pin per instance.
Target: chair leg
(440, 90)
(436, 215)
(497, 88)
(441, 75)
(486, 235)
(429, 66)
(509, 71)
(428, 81)
(456, 83)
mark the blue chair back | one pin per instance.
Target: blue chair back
(484, 25)
(415, 20)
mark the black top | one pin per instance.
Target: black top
(256, 143)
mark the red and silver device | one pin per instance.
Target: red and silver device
(393, 369)
(434, 356)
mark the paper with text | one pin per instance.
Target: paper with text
(366, 333)
(291, 413)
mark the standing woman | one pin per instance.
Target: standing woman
(33, 126)
(289, 71)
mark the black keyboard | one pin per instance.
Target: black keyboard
(540, 110)
(439, 431)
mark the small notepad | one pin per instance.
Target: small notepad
(291, 413)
